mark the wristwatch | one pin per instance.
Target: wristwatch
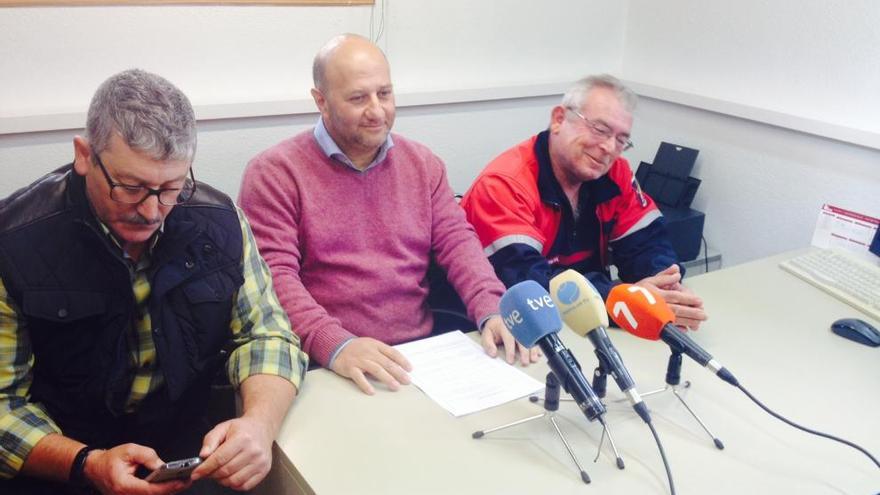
(77, 475)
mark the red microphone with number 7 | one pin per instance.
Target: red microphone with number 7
(645, 314)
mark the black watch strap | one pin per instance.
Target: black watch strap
(77, 475)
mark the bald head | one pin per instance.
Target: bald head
(353, 91)
(341, 52)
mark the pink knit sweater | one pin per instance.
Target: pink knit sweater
(349, 250)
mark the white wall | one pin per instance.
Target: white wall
(52, 59)
(800, 60)
(762, 186)
(807, 61)
(812, 58)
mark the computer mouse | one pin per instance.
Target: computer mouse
(858, 330)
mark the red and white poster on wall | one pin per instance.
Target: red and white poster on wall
(845, 230)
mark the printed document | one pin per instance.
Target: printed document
(456, 372)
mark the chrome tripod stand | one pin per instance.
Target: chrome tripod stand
(551, 405)
(673, 384)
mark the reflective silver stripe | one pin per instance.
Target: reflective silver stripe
(715, 366)
(513, 239)
(642, 223)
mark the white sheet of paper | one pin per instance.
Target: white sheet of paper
(845, 230)
(456, 372)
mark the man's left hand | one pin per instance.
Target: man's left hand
(494, 333)
(687, 306)
(237, 453)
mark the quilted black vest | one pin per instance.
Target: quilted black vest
(73, 293)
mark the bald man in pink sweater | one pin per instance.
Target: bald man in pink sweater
(348, 216)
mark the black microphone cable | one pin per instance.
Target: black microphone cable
(663, 456)
(728, 377)
(803, 428)
(643, 413)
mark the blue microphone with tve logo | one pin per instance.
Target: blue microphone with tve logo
(530, 315)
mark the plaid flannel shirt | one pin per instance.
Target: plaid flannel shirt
(262, 336)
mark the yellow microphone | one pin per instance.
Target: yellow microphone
(583, 310)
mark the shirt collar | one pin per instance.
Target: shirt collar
(332, 150)
(598, 190)
(145, 258)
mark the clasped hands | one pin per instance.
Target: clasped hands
(687, 306)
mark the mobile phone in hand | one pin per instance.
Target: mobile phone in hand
(177, 470)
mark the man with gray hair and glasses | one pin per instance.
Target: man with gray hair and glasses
(125, 288)
(565, 198)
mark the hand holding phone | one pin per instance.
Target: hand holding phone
(177, 470)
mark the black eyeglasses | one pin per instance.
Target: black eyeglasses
(603, 131)
(132, 195)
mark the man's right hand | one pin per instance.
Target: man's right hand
(113, 471)
(364, 355)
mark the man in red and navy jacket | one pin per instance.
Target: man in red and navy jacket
(566, 199)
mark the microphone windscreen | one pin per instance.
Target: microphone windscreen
(529, 313)
(639, 311)
(579, 303)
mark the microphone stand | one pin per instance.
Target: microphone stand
(600, 386)
(600, 378)
(600, 381)
(673, 379)
(551, 405)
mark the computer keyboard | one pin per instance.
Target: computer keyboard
(852, 280)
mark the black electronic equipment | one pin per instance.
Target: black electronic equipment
(669, 183)
(668, 179)
(857, 330)
(685, 228)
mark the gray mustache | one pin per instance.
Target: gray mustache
(140, 220)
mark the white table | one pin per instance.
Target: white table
(768, 327)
